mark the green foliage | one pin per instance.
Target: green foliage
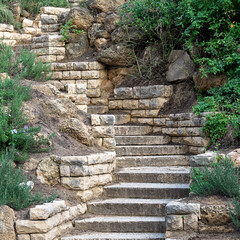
(69, 28)
(14, 191)
(33, 6)
(6, 16)
(14, 132)
(221, 178)
(235, 212)
(23, 65)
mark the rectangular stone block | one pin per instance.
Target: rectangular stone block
(90, 74)
(71, 88)
(49, 19)
(144, 103)
(96, 66)
(94, 93)
(94, 83)
(57, 76)
(152, 113)
(56, 50)
(64, 171)
(103, 131)
(108, 120)
(115, 104)
(81, 88)
(138, 113)
(174, 222)
(109, 143)
(130, 104)
(80, 66)
(75, 75)
(82, 108)
(157, 103)
(123, 92)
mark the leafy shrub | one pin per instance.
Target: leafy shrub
(69, 28)
(23, 65)
(6, 16)
(13, 188)
(221, 178)
(235, 212)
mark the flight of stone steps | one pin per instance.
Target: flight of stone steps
(150, 172)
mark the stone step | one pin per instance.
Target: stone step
(142, 140)
(97, 109)
(121, 224)
(147, 190)
(151, 150)
(132, 130)
(116, 236)
(129, 207)
(154, 175)
(152, 161)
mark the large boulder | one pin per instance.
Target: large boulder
(130, 34)
(181, 66)
(105, 5)
(203, 83)
(97, 31)
(48, 172)
(77, 130)
(77, 45)
(81, 18)
(111, 22)
(7, 231)
(116, 55)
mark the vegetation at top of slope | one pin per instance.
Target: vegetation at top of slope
(210, 31)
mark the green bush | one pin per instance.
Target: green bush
(221, 178)
(23, 65)
(235, 212)
(14, 191)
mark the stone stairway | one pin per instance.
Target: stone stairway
(151, 171)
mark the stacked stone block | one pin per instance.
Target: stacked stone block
(184, 128)
(87, 174)
(83, 82)
(103, 130)
(182, 220)
(50, 18)
(10, 37)
(141, 104)
(48, 221)
(32, 27)
(50, 48)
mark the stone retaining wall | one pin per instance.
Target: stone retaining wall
(140, 104)
(48, 221)
(86, 175)
(83, 82)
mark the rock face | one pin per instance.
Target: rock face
(81, 17)
(78, 45)
(116, 55)
(111, 22)
(97, 31)
(78, 130)
(235, 157)
(7, 231)
(206, 83)
(181, 66)
(105, 6)
(48, 172)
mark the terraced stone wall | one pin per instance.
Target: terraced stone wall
(48, 221)
(83, 82)
(140, 104)
(86, 175)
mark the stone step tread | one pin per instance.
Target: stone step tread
(144, 161)
(136, 150)
(148, 185)
(142, 140)
(132, 130)
(130, 201)
(116, 236)
(120, 219)
(156, 170)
